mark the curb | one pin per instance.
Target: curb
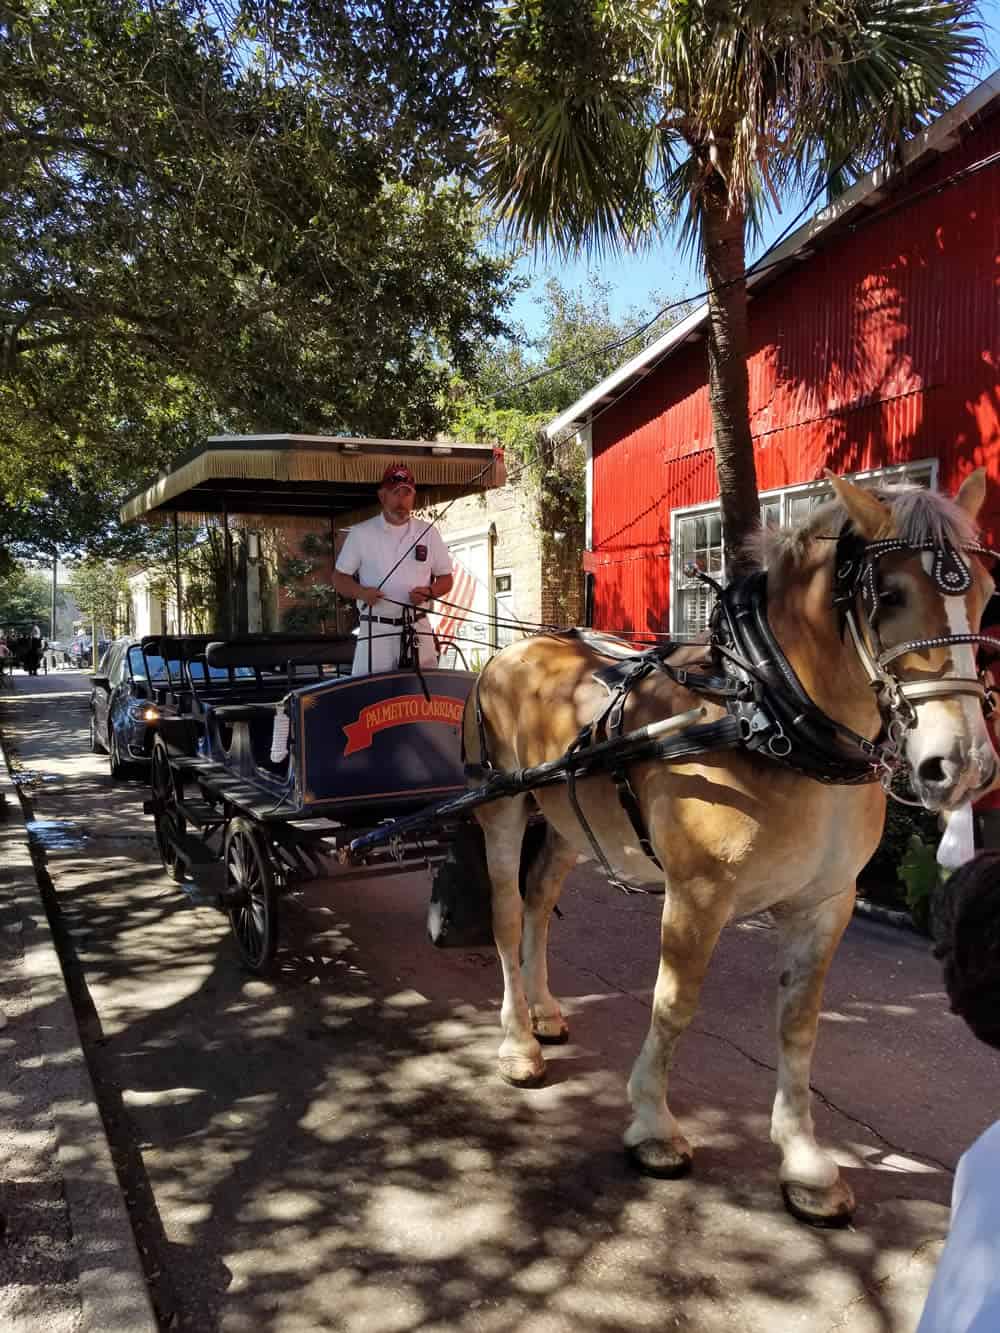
(112, 1287)
(886, 915)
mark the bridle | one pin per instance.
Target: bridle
(856, 582)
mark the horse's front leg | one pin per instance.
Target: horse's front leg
(694, 913)
(545, 877)
(810, 1179)
(520, 1060)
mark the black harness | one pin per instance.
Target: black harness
(779, 719)
(768, 711)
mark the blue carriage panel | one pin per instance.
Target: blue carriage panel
(379, 738)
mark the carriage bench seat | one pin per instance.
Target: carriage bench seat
(244, 712)
(251, 725)
(282, 650)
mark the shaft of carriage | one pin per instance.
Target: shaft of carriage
(635, 746)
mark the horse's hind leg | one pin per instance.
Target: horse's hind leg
(694, 913)
(810, 1179)
(544, 881)
(503, 823)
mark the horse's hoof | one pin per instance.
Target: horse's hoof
(820, 1205)
(520, 1071)
(554, 1036)
(655, 1157)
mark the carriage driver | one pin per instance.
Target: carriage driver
(389, 559)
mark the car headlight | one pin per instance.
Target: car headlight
(146, 712)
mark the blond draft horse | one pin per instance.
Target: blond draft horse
(737, 833)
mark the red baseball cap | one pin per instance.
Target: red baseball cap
(398, 474)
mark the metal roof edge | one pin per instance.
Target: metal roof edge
(675, 334)
(937, 138)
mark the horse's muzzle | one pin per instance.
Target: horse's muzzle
(943, 782)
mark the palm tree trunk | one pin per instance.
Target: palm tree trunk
(728, 384)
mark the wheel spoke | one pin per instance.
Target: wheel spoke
(237, 866)
(251, 909)
(168, 824)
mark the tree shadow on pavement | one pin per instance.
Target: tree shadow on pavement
(330, 1148)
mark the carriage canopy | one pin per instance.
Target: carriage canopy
(268, 478)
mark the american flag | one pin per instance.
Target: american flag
(461, 600)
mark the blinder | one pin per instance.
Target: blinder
(856, 577)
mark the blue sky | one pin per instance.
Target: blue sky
(663, 268)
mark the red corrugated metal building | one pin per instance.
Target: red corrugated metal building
(875, 345)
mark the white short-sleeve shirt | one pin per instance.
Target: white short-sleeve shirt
(373, 547)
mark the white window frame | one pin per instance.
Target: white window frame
(895, 472)
(586, 438)
(504, 573)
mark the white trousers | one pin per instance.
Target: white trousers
(386, 641)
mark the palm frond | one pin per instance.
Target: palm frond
(565, 157)
(866, 84)
(570, 173)
(614, 114)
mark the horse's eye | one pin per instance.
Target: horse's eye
(891, 598)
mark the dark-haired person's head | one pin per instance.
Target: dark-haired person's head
(967, 935)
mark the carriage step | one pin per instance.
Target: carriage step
(200, 812)
(189, 763)
(195, 854)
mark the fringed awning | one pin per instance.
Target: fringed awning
(270, 480)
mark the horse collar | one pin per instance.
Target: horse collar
(777, 716)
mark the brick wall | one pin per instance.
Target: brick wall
(517, 549)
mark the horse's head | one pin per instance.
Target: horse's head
(912, 582)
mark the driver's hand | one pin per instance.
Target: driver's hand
(420, 594)
(371, 595)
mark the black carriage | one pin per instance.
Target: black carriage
(270, 759)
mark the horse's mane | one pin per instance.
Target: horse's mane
(919, 516)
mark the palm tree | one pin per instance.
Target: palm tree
(613, 118)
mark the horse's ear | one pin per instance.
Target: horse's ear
(972, 492)
(871, 518)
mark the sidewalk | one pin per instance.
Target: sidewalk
(68, 1260)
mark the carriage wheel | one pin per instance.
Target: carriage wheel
(96, 745)
(169, 822)
(251, 893)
